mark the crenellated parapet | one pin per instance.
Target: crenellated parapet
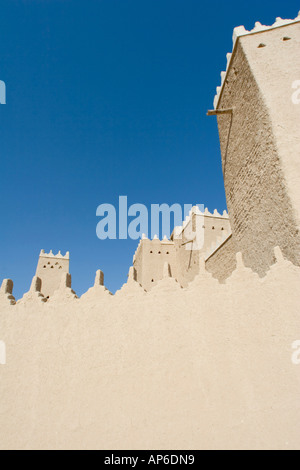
(241, 31)
(194, 213)
(258, 115)
(51, 255)
(204, 287)
(219, 363)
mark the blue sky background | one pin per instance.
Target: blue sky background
(108, 98)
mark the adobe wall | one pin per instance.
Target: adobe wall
(50, 269)
(222, 262)
(260, 146)
(207, 367)
(179, 253)
(211, 228)
(150, 259)
(276, 66)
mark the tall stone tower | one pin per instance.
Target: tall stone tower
(259, 126)
(50, 269)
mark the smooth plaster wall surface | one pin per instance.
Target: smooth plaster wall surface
(208, 367)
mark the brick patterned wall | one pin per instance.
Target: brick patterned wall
(260, 209)
(223, 262)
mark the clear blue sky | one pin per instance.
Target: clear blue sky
(108, 98)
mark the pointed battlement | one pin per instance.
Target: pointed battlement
(6, 293)
(99, 279)
(241, 31)
(204, 285)
(65, 292)
(132, 288)
(34, 294)
(43, 254)
(98, 292)
(242, 274)
(258, 28)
